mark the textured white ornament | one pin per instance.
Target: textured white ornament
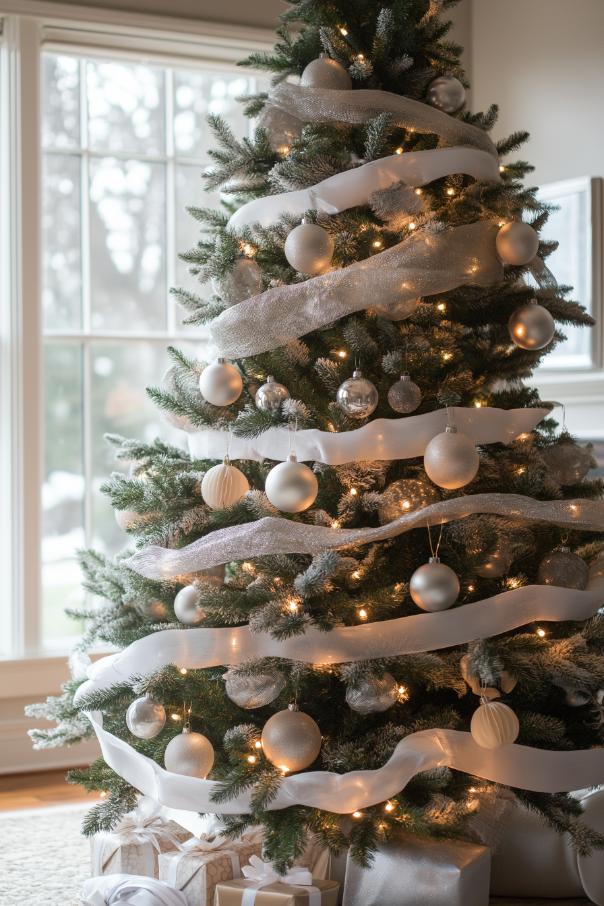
(372, 694)
(186, 605)
(189, 753)
(220, 383)
(291, 486)
(446, 93)
(532, 327)
(309, 249)
(253, 690)
(145, 717)
(271, 395)
(405, 496)
(326, 73)
(434, 586)
(451, 459)
(291, 740)
(243, 282)
(357, 396)
(493, 725)
(517, 243)
(564, 569)
(223, 485)
(404, 396)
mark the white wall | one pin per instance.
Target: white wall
(260, 13)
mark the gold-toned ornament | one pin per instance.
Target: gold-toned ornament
(291, 739)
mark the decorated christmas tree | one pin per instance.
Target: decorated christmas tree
(363, 594)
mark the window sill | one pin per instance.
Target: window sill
(35, 676)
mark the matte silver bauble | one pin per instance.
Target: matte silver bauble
(404, 396)
(505, 681)
(220, 383)
(446, 93)
(357, 396)
(291, 740)
(271, 395)
(243, 282)
(186, 606)
(451, 459)
(564, 569)
(291, 486)
(145, 717)
(309, 249)
(434, 586)
(253, 690)
(282, 128)
(517, 243)
(496, 563)
(405, 496)
(372, 694)
(189, 753)
(568, 463)
(223, 485)
(326, 73)
(531, 327)
(493, 725)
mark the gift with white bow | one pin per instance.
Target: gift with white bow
(129, 890)
(263, 885)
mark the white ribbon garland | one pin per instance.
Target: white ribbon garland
(129, 890)
(261, 874)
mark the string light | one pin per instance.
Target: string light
(419, 191)
(361, 57)
(441, 306)
(292, 605)
(343, 31)
(399, 150)
(257, 744)
(471, 588)
(335, 524)
(283, 150)
(403, 693)
(356, 574)
(541, 633)
(357, 814)
(478, 404)
(284, 769)
(513, 582)
(447, 356)
(389, 807)
(406, 504)
(412, 226)
(183, 671)
(523, 437)
(377, 243)
(175, 716)
(353, 492)
(341, 353)
(450, 191)
(521, 470)
(362, 613)
(252, 759)
(103, 794)
(502, 169)
(248, 249)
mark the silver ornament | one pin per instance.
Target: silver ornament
(578, 698)
(309, 249)
(517, 243)
(291, 486)
(243, 282)
(220, 383)
(563, 568)
(446, 93)
(568, 463)
(372, 694)
(189, 753)
(451, 459)
(531, 327)
(434, 586)
(404, 396)
(145, 717)
(186, 605)
(291, 740)
(253, 690)
(271, 395)
(282, 128)
(405, 496)
(357, 396)
(326, 73)
(223, 485)
(493, 725)
(496, 563)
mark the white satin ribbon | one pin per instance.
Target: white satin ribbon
(355, 187)
(382, 438)
(261, 874)
(129, 890)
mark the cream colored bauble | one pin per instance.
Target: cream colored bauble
(326, 73)
(129, 520)
(291, 486)
(434, 586)
(223, 485)
(493, 725)
(451, 459)
(309, 249)
(220, 383)
(291, 740)
(186, 605)
(189, 753)
(517, 243)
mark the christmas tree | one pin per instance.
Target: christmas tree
(377, 551)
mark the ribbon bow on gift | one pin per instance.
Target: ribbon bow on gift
(264, 873)
(129, 890)
(143, 825)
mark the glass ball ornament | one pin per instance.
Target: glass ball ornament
(372, 694)
(242, 282)
(220, 383)
(531, 327)
(281, 127)
(451, 460)
(434, 586)
(567, 462)
(517, 243)
(446, 93)
(357, 396)
(223, 485)
(505, 681)
(326, 73)
(564, 569)
(187, 607)
(291, 486)
(405, 496)
(494, 725)
(189, 753)
(404, 396)
(578, 698)
(496, 563)
(145, 717)
(253, 690)
(291, 739)
(270, 396)
(309, 249)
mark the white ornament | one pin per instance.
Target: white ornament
(243, 282)
(145, 717)
(326, 73)
(309, 249)
(291, 740)
(291, 486)
(493, 725)
(372, 694)
(404, 396)
(451, 459)
(532, 327)
(434, 586)
(517, 243)
(446, 93)
(128, 520)
(189, 753)
(223, 485)
(271, 395)
(253, 690)
(220, 383)
(357, 396)
(186, 605)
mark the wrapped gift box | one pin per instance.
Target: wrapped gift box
(201, 864)
(133, 847)
(277, 893)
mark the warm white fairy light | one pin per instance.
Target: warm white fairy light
(341, 353)
(292, 605)
(362, 614)
(357, 814)
(257, 744)
(353, 492)
(442, 306)
(399, 150)
(252, 759)
(389, 807)
(541, 633)
(412, 226)
(183, 671)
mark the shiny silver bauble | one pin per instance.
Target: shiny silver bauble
(372, 694)
(451, 459)
(405, 496)
(309, 249)
(187, 607)
(517, 243)
(326, 73)
(568, 463)
(446, 93)
(282, 128)
(531, 327)
(145, 717)
(434, 586)
(220, 383)
(564, 569)
(291, 740)
(496, 563)
(253, 690)
(189, 753)
(494, 725)
(357, 396)
(270, 396)
(291, 486)
(404, 396)
(243, 282)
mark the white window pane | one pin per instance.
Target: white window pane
(125, 107)
(198, 94)
(62, 280)
(60, 101)
(189, 193)
(127, 245)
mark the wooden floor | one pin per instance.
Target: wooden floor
(37, 790)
